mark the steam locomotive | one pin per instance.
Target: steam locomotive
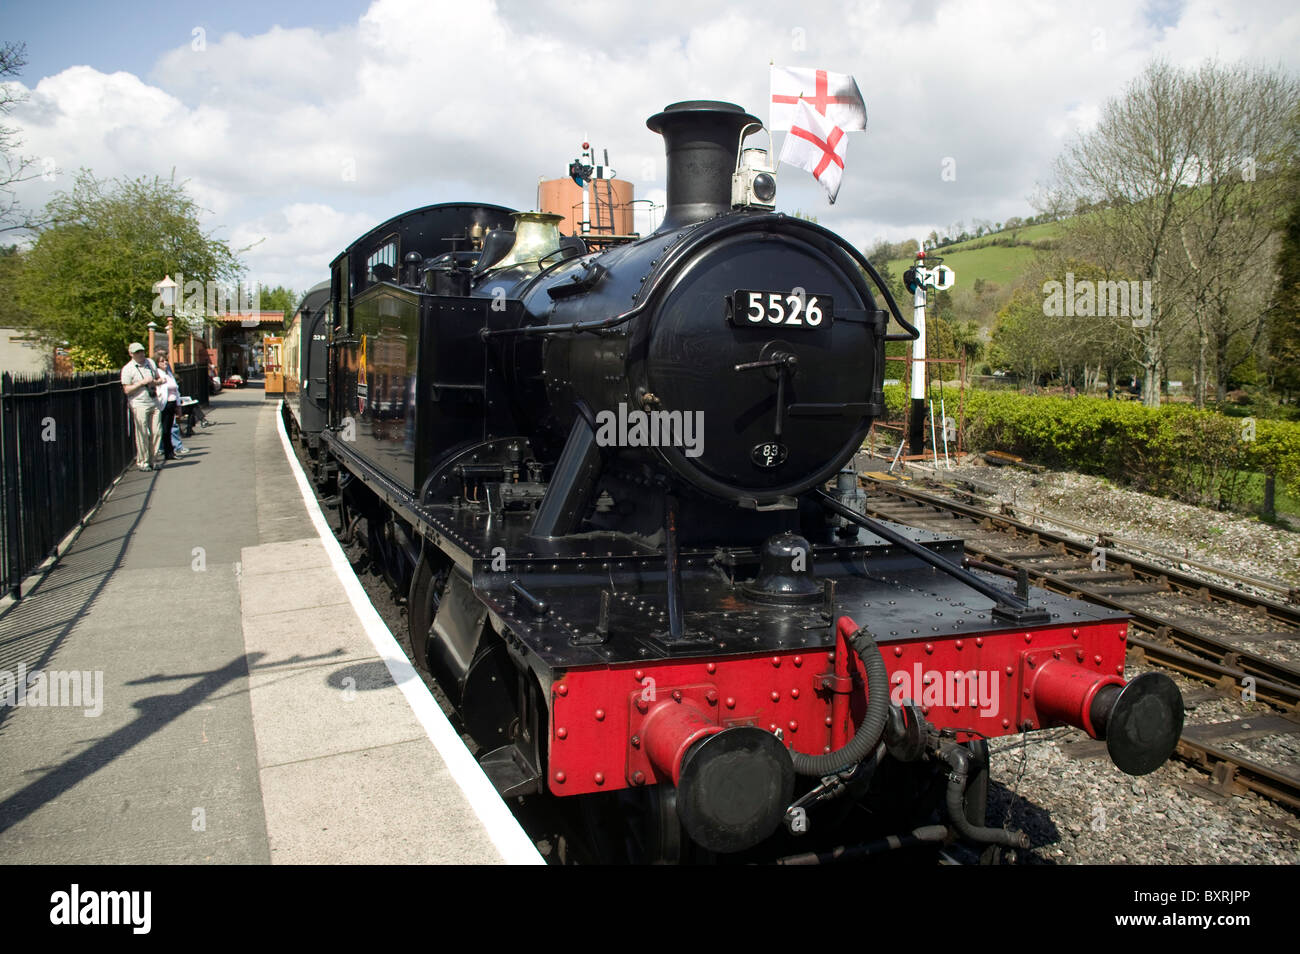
(611, 486)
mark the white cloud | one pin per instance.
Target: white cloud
(294, 245)
(441, 101)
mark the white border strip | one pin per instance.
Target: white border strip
(509, 838)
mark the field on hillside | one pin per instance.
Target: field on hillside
(989, 258)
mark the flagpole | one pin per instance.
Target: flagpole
(771, 64)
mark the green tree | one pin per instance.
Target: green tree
(11, 266)
(968, 342)
(89, 278)
(1034, 336)
(884, 252)
(278, 298)
(1019, 342)
(86, 361)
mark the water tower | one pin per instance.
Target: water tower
(594, 203)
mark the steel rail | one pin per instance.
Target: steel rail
(1229, 770)
(1194, 652)
(1110, 540)
(1284, 612)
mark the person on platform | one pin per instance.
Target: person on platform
(169, 398)
(140, 381)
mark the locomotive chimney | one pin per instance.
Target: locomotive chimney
(700, 137)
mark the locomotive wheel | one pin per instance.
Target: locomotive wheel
(654, 832)
(422, 606)
(603, 831)
(666, 841)
(636, 826)
(386, 554)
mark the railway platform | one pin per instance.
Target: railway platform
(214, 687)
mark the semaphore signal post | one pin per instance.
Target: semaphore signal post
(916, 279)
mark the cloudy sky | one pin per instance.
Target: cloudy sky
(299, 125)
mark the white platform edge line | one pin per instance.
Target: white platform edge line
(502, 828)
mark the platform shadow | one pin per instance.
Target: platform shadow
(33, 629)
(153, 714)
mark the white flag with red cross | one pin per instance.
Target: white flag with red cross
(834, 96)
(818, 145)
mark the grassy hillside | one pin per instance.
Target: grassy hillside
(993, 263)
(1031, 234)
(1000, 258)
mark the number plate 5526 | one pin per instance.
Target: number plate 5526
(767, 309)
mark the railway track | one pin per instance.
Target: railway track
(560, 838)
(1193, 625)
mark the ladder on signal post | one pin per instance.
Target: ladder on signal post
(604, 218)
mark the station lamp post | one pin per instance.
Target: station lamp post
(166, 289)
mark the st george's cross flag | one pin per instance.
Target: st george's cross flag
(817, 145)
(834, 96)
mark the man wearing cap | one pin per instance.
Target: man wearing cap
(140, 381)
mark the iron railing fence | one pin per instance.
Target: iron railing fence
(194, 382)
(64, 441)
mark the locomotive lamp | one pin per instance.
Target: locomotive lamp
(753, 185)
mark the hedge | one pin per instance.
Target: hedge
(1174, 450)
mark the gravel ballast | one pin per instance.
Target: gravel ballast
(1059, 786)
(1235, 542)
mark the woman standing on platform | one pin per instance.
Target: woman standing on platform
(177, 447)
(169, 396)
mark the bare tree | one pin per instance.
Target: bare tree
(1181, 180)
(1284, 307)
(1133, 170)
(1228, 236)
(14, 168)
